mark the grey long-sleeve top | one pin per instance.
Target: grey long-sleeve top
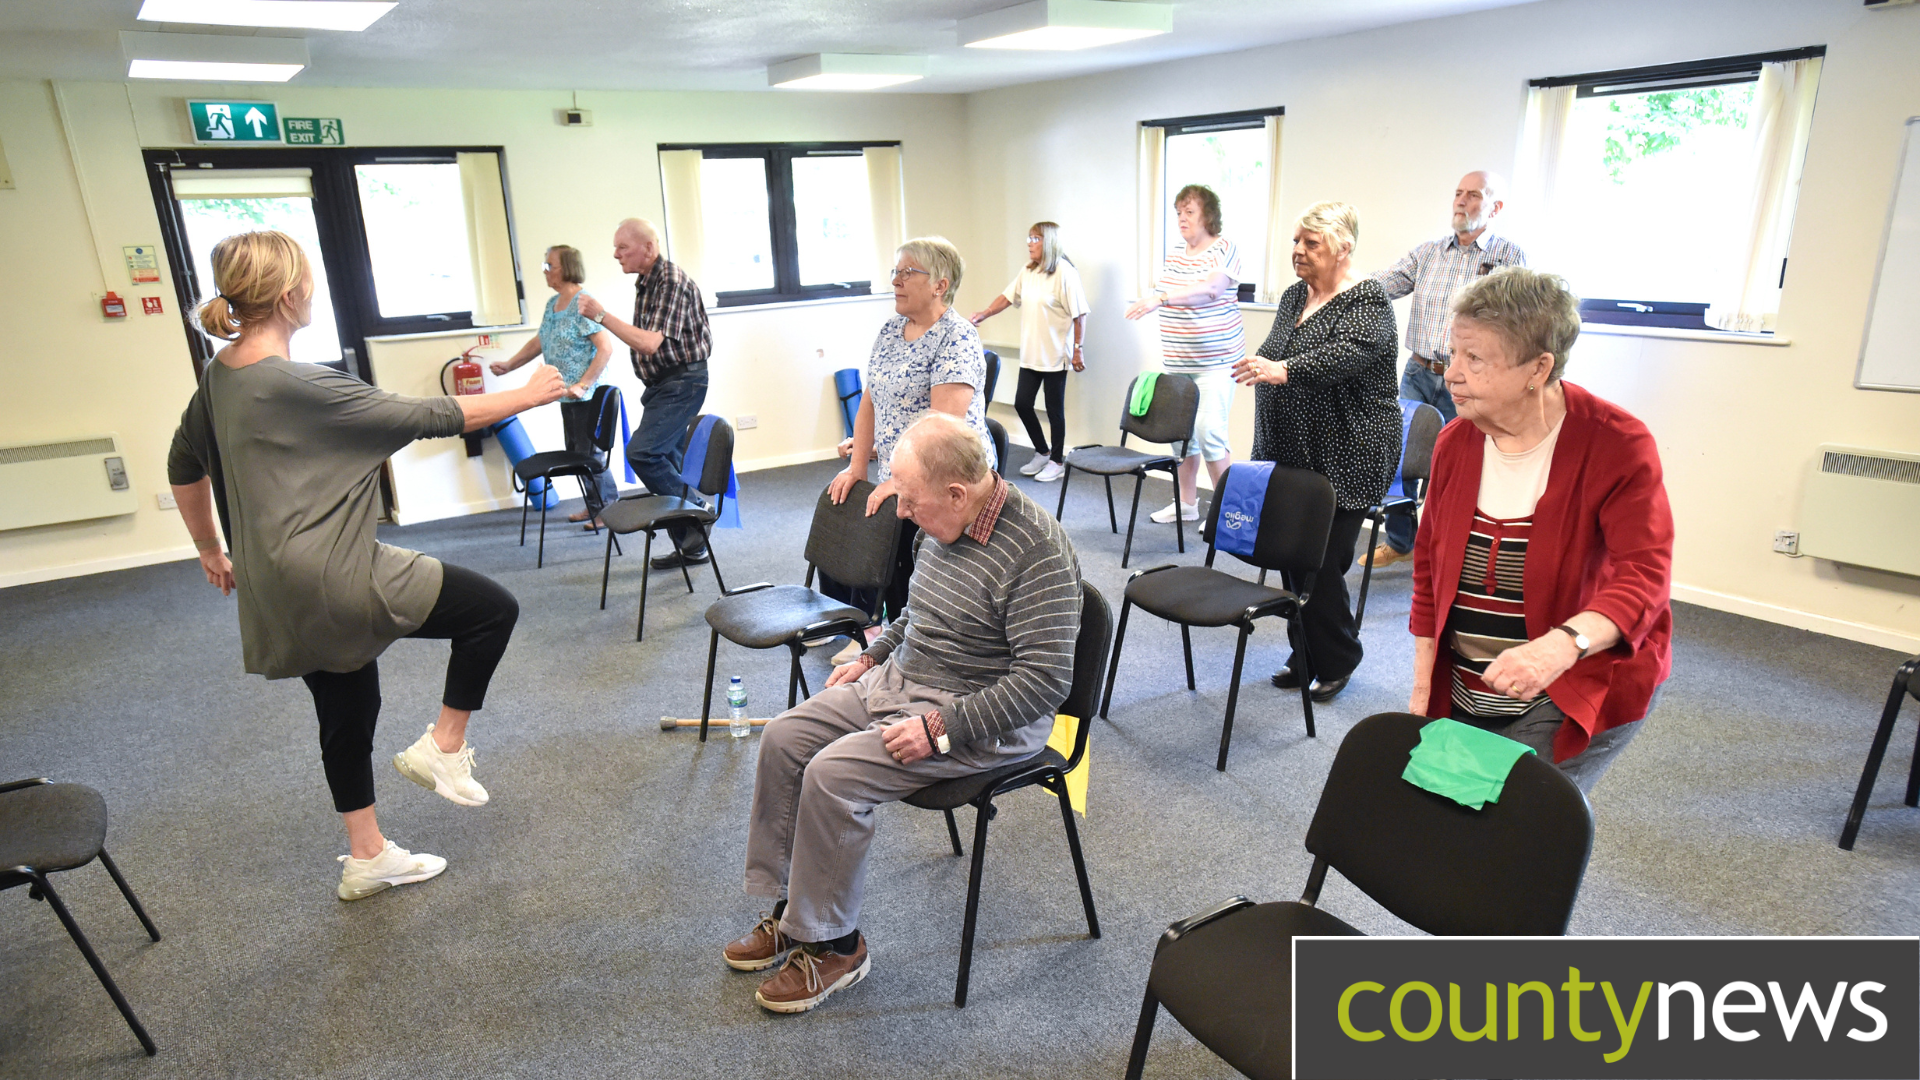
(294, 451)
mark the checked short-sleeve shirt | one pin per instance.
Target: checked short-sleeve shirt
(1432, 272)
(667, 302)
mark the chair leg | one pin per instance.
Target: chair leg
(800, 674)
(1133, 516)
(526, 503)
(953, 834)
(1366, 575)
(713, 559)
(1233, 697)
(1186, 646)
(86, 949)
(1306, 681)
(1881, 736)
(688, 574)
(541, 560)
(646, 568)
(706, 701)
(606, 568)
(973, 903)
(1142, 1035)
(1065, 477)
(1079, 860)
(1113, 663)
(126, 891)
(1113, 520)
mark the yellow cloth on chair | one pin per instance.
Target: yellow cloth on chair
(1061, 741)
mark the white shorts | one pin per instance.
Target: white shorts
(1216, 388)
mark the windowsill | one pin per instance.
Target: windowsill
(471, 331)
(1725, 337)
(782, 305)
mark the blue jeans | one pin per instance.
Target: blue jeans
(1417, 384)
(656, 449)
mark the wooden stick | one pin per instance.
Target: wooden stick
(668, 723)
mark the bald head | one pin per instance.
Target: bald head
(942, 475)
(636, 245)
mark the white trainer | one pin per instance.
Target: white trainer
(394, 865)
(447, 775)
(1054, 470)
(1187, 511)
(1034, 464)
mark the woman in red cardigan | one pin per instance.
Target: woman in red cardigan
(1544, 558)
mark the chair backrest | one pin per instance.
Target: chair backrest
(1511, 868)
(993, 376)
(998, 432)
(606, 408)
(856, 550)
(1420, 426)
(1294, 521)
(719, 463)
(1089, 665)
(1169, 418)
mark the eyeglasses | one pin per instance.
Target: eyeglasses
(1035, 240)
(546, 266)
(900, 273)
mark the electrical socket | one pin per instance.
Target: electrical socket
(742, 423)
(1786, 542)
(165, 499)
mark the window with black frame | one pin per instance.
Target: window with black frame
(759, 223)
(1669, 191)
(1228, 153)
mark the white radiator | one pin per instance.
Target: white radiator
(1863, 507)
(69, 480)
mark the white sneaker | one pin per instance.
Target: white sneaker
(446, 775)
(1053, 471)
(394, 865)
(1187, 511)
(1034, 464)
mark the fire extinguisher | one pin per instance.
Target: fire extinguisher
(466, 380)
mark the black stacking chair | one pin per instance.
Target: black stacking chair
(1906, 681)
(1294, 524)
(998, 432)
(46, 828)
(1047, 769)
(993, 375)
(855, 550)
(650, 513)
(1169, 419)
(550, 465)
(1420, 425)
(1512, 868)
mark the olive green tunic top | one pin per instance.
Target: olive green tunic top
(294, 451)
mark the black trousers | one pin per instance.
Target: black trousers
(1056, 384)
(1327, 619)
(476, 614)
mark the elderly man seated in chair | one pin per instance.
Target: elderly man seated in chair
(966, 680)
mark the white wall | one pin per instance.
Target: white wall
(1389, 119)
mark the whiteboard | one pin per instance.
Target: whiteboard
(1890, 352)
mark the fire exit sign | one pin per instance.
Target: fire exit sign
(234, 121)
(314, 131)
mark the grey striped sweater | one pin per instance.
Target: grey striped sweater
(994, 622)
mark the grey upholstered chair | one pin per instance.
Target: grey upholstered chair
(652, 512)
(1420, 425)
(550, 465)
(1168, 419)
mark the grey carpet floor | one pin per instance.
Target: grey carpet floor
(576, 932)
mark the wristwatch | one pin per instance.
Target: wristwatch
(601, 318)
(1579, 639)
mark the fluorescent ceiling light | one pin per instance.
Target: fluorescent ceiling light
(1065, 24)
(212, 57)
(307, 14)
(846, 71)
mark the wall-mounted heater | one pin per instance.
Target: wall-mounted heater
(67, 480)
(1863, 507)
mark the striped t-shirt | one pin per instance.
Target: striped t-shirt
(1489, 613)
(1209, 335)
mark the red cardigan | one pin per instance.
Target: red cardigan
(1602, 540)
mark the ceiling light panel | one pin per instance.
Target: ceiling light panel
(212, 57)
(846, 71)
(1064, 25)
(288, 14)
(206, 71)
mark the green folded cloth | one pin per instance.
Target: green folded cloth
(1462, 762)
(1142, 398)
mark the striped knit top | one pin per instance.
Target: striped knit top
(1207, 335)
(994, 622)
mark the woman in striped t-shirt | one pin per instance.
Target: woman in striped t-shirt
(1200, 335)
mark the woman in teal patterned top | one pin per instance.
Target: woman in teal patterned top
(579, 348)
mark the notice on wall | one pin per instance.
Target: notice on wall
(314, 131)
(143, 264)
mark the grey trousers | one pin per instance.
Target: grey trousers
(823, 769)
(1537, 727)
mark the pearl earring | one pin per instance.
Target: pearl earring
(1530, 388)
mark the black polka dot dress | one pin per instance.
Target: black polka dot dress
(1339, 412)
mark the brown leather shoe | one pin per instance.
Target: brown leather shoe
(1384, 555)
(761, 949)
(809, 976)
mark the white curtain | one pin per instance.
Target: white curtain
(685, 214)
(1153, 193)
(885, 191)
(1277, 275)
(1538, 163)
(496, 296)
(1746, 296)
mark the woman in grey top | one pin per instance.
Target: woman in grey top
(290, 454)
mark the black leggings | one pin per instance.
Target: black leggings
(472, 610)
(1056, 383)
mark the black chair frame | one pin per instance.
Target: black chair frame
(553, 464)
(1906, 681)
(1047, 770)
(1169, 464)
(40, 887)
(1416, 466)
(686, 515)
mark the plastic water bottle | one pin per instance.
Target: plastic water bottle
(738, 725)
